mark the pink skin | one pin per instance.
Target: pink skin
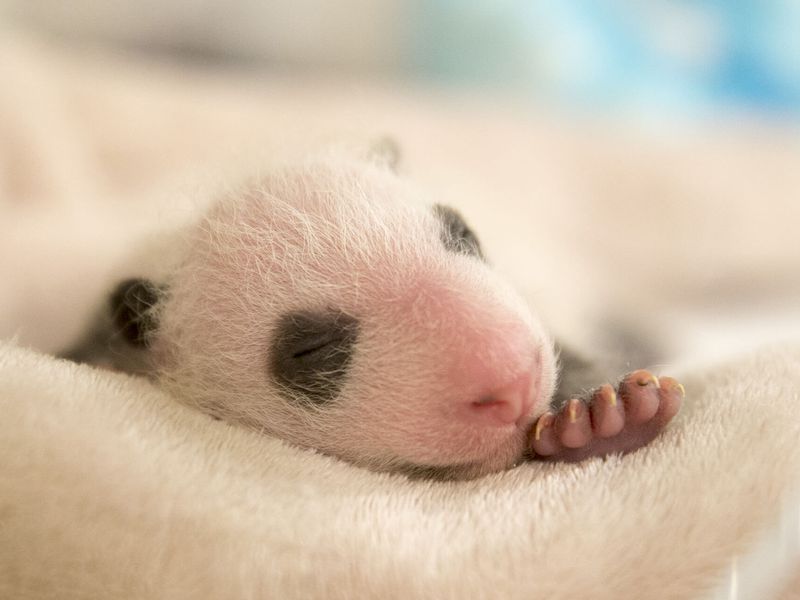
(450, 367)
(613, 421)
(466, 395)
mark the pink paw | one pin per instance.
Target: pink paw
(612, 421)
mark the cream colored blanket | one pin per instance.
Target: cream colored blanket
(108, 489)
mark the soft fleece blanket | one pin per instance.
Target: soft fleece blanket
(110, 489)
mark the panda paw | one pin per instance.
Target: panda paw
(611, 421)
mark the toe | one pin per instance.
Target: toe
(543, 438)
(608, 413)
(671, 394)
(573, 425)
(640, 393)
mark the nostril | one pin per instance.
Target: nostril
(486, 400)
(503, 406)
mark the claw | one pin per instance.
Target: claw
(573, 410)
(544, 421)
(644, 378)
(671, 385)
(610, 395)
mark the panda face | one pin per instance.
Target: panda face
(331, 307)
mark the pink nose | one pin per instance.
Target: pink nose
(503, 406)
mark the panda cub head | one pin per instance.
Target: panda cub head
(327, 305)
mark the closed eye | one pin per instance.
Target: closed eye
(315, 346)
(311, 352)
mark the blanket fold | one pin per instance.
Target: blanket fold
(108, 488)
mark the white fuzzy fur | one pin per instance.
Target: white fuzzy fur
(111, 489)
(341, 233)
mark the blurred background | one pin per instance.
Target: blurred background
(690, 58)
(554, 125)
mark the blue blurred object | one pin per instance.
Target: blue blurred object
(676, 56)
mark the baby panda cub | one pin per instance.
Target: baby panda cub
(328, 306)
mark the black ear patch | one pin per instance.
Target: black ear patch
(311, 353)
(455, 233)
(386, 150)
(132, 310)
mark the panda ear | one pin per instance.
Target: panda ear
(386, 151)
(133, 305)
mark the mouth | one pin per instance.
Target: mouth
(507, 454)
(454, 472)
(459, 471)
(509, 446)
(475, 442)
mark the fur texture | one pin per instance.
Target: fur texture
(439, 330)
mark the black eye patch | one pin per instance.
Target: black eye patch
(311, 353)
(455, 233)
(132, 310)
